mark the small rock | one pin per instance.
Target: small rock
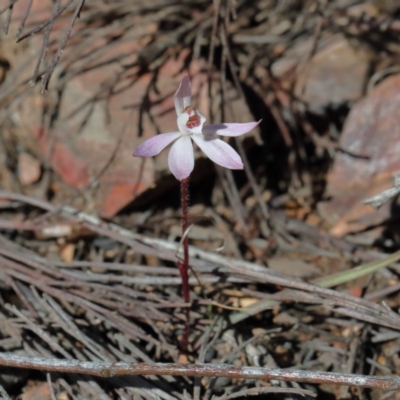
(334, 75)
(368, 162)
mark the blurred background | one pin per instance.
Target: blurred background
(80, 92)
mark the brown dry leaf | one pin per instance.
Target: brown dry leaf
(152, 261)
(247, 302)
(67, 252)
(355, 291)
(183, 359)
(40, 392)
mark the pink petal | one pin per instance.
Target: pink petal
(154, 145)
(219, 152)
(182, 96)
(181, 158)
(230, 129)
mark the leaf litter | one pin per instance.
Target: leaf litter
(101, 292)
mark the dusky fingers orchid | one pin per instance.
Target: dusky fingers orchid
(191, 127)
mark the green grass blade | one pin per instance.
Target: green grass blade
(354, 273)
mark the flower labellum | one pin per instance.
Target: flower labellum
(190, 124)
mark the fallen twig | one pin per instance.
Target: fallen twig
(109, 369)
(381, 198)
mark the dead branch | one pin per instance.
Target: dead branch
(108, 370)
(381, 198)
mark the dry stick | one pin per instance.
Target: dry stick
(115, 320)
(217, 8)
(228, 358)
(44, 24)
(7, 7)
(24, 18)
(8, 19)
(109, 369)
(358, 308)
(183, 265)
(52, 394)
(226, 178)
(261, 390)
(45, 43)
(206, 345)
(61, 47)
(4, 394)
(242, 152)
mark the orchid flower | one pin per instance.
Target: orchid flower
(190, 124)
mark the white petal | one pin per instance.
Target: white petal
(154, 145)
(219, 152)
(230, 129)
(182, 96)
(181, 158)
(181, 122)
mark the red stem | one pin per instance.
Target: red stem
(183, 265)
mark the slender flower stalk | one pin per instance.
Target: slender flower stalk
(181, 161)
(183, 265)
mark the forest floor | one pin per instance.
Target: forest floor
(291, 269)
